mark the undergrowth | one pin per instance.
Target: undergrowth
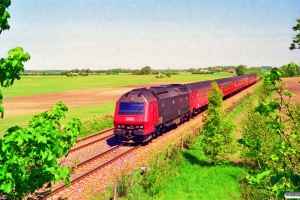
(96, 124)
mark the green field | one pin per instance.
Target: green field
(31, 85)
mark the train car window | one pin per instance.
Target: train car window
(131, 108)
(173, 101)
(180, 98)
(162, 105)
(185, 96)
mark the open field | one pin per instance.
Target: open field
(33, 85)
(85, 97)
(293, 85)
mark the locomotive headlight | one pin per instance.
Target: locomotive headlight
(141, 126)
(119, 126)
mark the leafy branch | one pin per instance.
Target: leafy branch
(28, 155)
(11, 66)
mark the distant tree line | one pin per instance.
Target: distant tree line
(288, 70)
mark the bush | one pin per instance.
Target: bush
(96, 125)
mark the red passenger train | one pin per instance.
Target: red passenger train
(143, 113)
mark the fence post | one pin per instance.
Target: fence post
(167, 154)
(181, 142)
(115, 192)
(132, 179)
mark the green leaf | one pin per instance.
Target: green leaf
(19, 140)
(275, 179)
(262, 175)
(64, 172)
(7, 187)
(14, 63)
(288, 93)
(5, 146)
(42, 139)
(295, 178)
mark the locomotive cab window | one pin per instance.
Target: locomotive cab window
(131, 108)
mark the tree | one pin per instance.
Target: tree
(136, 72)
(192, 70)
(11, 66)
(28, 155)
(218, 140)
(289, 70)
(4, 15)
(146, 70)
(279, 169)
(254, 70)
(240, 70)
(296, 39)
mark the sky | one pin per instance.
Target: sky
(132, 34)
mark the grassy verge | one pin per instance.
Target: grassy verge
(240, 108)
(183, 176)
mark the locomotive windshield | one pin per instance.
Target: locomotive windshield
(131, 108)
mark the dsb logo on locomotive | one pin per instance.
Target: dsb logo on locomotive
(129, 118)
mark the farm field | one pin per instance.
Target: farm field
(34, 85)
(85, 97)
(293, 85)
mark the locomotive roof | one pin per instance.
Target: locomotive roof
(169, 90)
(138, 95)
(199, 85)
(207, 84)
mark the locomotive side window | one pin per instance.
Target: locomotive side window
(162, 104)
(131, 108)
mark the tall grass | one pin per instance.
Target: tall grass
(96, 124)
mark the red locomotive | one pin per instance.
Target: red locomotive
(143, 113)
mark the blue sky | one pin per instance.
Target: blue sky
(173, 34)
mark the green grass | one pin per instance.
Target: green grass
(83, 114)
(241, 108)
(198, 182)
(191, 180)
(195, 180)
(32, 85)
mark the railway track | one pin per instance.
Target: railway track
(88, 167)
(93, 165)
(92, 139)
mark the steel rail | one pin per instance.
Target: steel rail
(95, 134)
(56, 191)
(90, 143)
